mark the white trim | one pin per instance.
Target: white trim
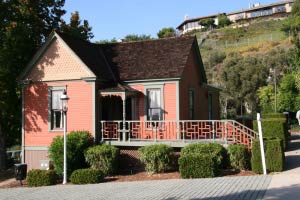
(94, 124)
(159, 80)
(50, 89)
(23, 125)
(162, 94)
(36, 148)
(177, 101)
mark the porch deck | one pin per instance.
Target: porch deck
(175, 133)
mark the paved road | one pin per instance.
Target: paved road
(233, 188)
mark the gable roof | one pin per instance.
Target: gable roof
(151, 59)
(117, 62)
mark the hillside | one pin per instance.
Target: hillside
(258, 39)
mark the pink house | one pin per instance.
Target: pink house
(125, 94)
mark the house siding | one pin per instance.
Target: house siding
(57, 63)
(36, 122)
(33, 158)
(191, 79)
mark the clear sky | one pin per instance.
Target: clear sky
(117, 18)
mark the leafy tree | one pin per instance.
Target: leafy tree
(114, 40)
(208, 23)
(76, 29)
(223, 20)
(267, 98)
(135, 37)
(166, 32)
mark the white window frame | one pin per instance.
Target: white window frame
(51, 112)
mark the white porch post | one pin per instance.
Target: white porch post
(124, 116)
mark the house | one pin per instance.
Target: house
(125, 94)
(276, 10)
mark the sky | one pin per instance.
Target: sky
(118, 18)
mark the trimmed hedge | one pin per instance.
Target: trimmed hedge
(274, 128)
(77, 143)
(273, 115)
(214, 150)
(197, 166)
(239, 156)
(37, 177)
(157, 158)
(273, 152)
(103, 157)
(87, 176)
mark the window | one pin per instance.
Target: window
(191, 104)
(154, 109)
(56, 114)
(210, 106)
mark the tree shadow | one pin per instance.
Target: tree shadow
(36, 93)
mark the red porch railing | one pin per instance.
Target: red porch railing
(226, 131)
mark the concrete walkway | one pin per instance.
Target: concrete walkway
(286, 185)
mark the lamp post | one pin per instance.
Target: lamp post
(275, 86)
(64, 99)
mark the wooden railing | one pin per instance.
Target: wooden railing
(226, 131)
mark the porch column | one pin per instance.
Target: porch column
(124, 116)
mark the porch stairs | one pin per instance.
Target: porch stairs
(176, 133)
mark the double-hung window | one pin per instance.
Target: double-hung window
(56, 115)
(154, 104)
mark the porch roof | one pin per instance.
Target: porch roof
(119, 88)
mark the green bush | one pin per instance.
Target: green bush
(77, 143)
(273, 115)
(87, 176)
(274, 128)
(156, 157)
(239, 156)
(37, 177)
(214, 150)
(273, 152)
(197, 166)
(103, 157)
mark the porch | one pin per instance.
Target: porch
(175, 133)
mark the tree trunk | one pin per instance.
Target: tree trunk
(2, 148)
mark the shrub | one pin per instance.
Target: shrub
(77, 143)
(239, 156)
(197, 166)
(273, 152)
(214, 150)
(37, 177)
(156, 157)
(273, 115)
(103, 157)
(87, 176)
(274, 127)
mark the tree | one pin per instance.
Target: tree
(135, 37)
(266, 98)
(208, 23)
(24, 26)
(223, 20)
(166, 32)
(76, 29)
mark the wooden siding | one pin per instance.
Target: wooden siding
(79, 116)
(57, 63)
(191, 79)
(33, 157)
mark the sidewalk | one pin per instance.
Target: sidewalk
(286, 185)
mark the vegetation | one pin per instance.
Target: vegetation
(24, 26)
(77, 143)
(166, 32)
(87, 176)
(239, 156)
(37, 177)
(214, 150)
(274, 154)
(135, 37)
(157, 158)
(197, 166)
(208, 23)
(223, 20)
(274, 128)
(103, 157)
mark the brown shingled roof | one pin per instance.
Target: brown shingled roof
(150, 59)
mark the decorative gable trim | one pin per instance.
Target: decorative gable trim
(52, 37)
